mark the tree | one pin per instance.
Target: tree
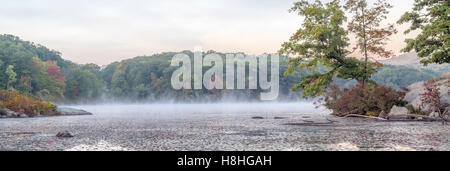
(82, 84)
(365, 24)
(321, 40)
(31, 63)
(2, 76)
(11, 76)
(433, 18)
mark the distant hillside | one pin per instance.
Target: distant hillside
(410, 61)
(42, 72)
(405, 59)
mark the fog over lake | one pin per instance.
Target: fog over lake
(184, 110)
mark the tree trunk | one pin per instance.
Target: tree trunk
(366, 58)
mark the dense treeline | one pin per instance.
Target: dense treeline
(38, 71)
(149, 78)
(403, 76)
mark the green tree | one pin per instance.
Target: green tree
(365, 24)
(432, 17)
(82, 84)
(39, 71)
(321, 40)
(11, 76)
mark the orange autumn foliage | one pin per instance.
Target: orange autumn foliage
(24, 104)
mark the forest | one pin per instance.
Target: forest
(35, 70)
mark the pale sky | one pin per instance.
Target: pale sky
(104, 31)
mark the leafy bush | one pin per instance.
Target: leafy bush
(431, 99)
(22, 103)
(367, 100)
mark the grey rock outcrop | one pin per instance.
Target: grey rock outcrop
(11, 114)
(66, 111)
(63, 111)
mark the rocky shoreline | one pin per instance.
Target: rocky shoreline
(414, 109)
(62, 111)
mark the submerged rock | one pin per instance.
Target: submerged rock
(64, 134)
(257, 117)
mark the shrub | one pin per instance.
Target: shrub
(431, 99)
(22, 103)
(2, 111)
(367, 100)
(413, 110)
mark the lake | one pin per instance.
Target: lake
(224, 126)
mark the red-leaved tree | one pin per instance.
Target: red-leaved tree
(366, 25)
(53, 71)
(431, 99)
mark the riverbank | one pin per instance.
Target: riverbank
(61, 111)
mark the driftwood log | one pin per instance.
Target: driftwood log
(429, 118)
(419, 116)
(364, 116)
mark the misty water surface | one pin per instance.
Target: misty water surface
(221, 126)
(184, 110)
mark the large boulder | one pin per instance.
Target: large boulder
(415, 90)
(383, 115)
(11, 114)
(434, 114)
(398, 113)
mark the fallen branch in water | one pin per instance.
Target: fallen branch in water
(364, 116)
(429, 118)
